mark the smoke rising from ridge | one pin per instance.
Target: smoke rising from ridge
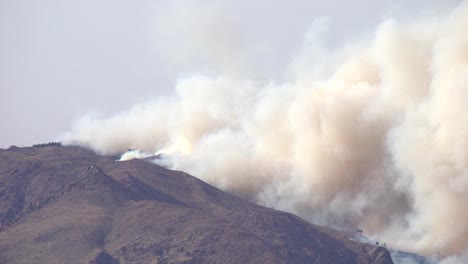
(373, 135)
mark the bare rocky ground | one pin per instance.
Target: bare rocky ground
(69, 205)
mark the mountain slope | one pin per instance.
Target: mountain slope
(69, 205)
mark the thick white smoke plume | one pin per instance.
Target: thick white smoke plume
(373, 135)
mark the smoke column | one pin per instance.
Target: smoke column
(373, 135)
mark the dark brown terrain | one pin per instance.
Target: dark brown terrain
(69, 205)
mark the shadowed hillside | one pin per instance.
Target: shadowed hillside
(69, 205)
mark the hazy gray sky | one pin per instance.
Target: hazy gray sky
(61, 59)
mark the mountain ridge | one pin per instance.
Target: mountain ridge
(66, 204)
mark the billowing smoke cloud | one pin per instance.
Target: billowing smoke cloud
(373, 135)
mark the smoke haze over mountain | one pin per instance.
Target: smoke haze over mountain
(371, 135)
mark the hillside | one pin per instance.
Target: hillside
(69, 205)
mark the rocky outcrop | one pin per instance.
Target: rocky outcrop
(103, 258)
(378, 255)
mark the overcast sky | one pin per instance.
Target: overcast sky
(61, 59)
